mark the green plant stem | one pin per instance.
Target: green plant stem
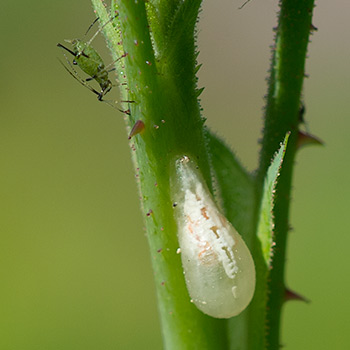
(173, 127)
(282, 115)
(160, 78)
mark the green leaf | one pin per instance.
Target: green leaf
(236, 190)
(266, 222)
(235, 187)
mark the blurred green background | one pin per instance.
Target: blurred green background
(74, 263)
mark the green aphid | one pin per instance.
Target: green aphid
(89, 61)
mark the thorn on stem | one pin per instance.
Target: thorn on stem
(291, 295)
(138, 127)
(305, 139)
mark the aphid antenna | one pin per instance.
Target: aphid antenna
(91, 25)
(100, 29)
(245, 3)
(90, 41)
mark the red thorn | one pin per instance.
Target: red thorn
(305, 139)
(291, 295)
(138, 127)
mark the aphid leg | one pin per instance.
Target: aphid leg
(83, 82)
(77, 77)
(100, 95)
(105, 91)
(115, 61)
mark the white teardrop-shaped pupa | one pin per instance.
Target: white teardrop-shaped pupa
(218, 267)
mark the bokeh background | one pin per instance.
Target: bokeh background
(74, 264)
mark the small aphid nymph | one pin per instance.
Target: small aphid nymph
(90, 62)
(218, 267)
